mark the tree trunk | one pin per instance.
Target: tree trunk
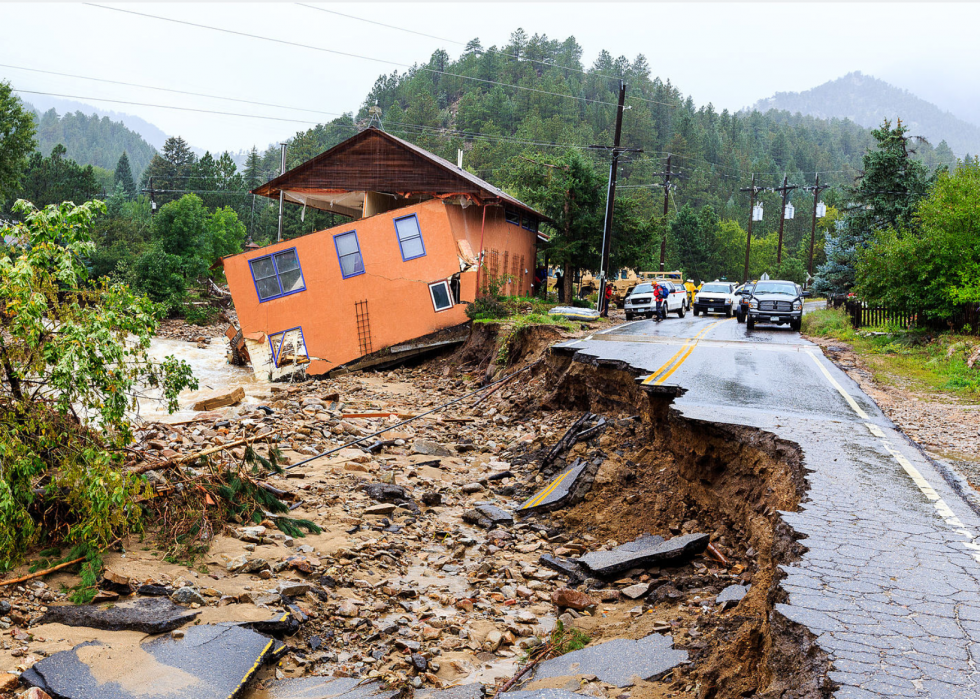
(567, 282)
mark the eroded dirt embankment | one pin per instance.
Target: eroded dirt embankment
(672, 475)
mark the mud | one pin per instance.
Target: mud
(667, 475)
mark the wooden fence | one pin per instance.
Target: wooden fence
(965, 318)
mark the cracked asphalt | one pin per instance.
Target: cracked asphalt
(890, 584)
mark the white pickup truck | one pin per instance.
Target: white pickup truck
(641, 301)
(716, 297)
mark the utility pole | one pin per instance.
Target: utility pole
(610, 201)
(667, 187)
(753, 190)
(816, 189)
(785, 189)
(149, 190)
(282, 169)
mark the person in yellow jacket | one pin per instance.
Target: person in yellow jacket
(690, 288)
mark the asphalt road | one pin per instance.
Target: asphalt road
(890, 584)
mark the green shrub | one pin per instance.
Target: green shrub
(64, 395)
(201, 315)
(487, 308)
(832, 322)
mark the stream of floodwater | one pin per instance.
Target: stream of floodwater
(213, 373)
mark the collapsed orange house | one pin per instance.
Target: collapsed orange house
(402, 269)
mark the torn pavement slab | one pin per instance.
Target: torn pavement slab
(148, 614)
(212, 661)
(732, 595)
(562, 490)
(647, 550)
(617, 662)
(463, 691)
(328, 688)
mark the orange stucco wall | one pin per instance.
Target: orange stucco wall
(504, 239)
(399, 304)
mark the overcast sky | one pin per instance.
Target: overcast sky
(730, 54)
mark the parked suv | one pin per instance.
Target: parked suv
(641, 301)
(715, 297)
(776, 301)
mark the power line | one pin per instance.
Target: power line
(549, 64)
(163, 106)
(167, 89)
(349, 55)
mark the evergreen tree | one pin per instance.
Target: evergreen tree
(16, 140)
(253, 169)
(124, 176)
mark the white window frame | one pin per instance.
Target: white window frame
(449, 295)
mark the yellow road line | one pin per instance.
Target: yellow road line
(686, 349)
(539, 498)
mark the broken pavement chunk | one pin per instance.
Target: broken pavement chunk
(732, 595)
(463, 691)
(328, 688)
(617, 662)
(560, 491)
(496, 515)
(147, 614)
(644, 551)
(213, 661)
(563, 565)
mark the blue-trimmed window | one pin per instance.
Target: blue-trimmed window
(349, 254)
(529, 223)
(513, 217)
(278, 274)
(409, 237)
(287, 345)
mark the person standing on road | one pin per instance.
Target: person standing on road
(607, 301)
(560, 286)
(660, 293)
(690, 289)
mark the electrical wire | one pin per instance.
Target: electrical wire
(167, 89)
(347, 54)
(549, 64)
(163, 106)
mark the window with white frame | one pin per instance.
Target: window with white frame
(409, 237)
(441, 298)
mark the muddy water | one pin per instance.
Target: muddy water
(213, 373)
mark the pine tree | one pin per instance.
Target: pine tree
(253, 169)
(124, 176)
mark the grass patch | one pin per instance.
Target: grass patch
(921, 360)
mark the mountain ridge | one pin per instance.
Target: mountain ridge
(867, 101)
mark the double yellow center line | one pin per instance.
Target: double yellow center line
(540, 497)
(672, 364)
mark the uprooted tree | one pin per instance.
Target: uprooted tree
(73, 358)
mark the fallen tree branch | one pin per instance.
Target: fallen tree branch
(42, 573)
(207, 452)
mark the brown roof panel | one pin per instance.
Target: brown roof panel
(375, 161)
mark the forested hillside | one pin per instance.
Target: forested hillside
(867, 101)
(559, 106)
(91, 140)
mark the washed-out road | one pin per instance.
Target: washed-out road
(890, 584)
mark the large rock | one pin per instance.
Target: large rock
(645, 551)
(427, 447)
(571, 599)
(213, 661)
(148, 615)
(496, 515)
(732, 595)
(618, 662)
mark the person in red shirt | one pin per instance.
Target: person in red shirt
(608, 300)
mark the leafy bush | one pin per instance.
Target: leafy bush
(72, 356)
(487, 308)
(832, 322)
(201, 315)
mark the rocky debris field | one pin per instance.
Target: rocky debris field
(422, 574)
(179, 329)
